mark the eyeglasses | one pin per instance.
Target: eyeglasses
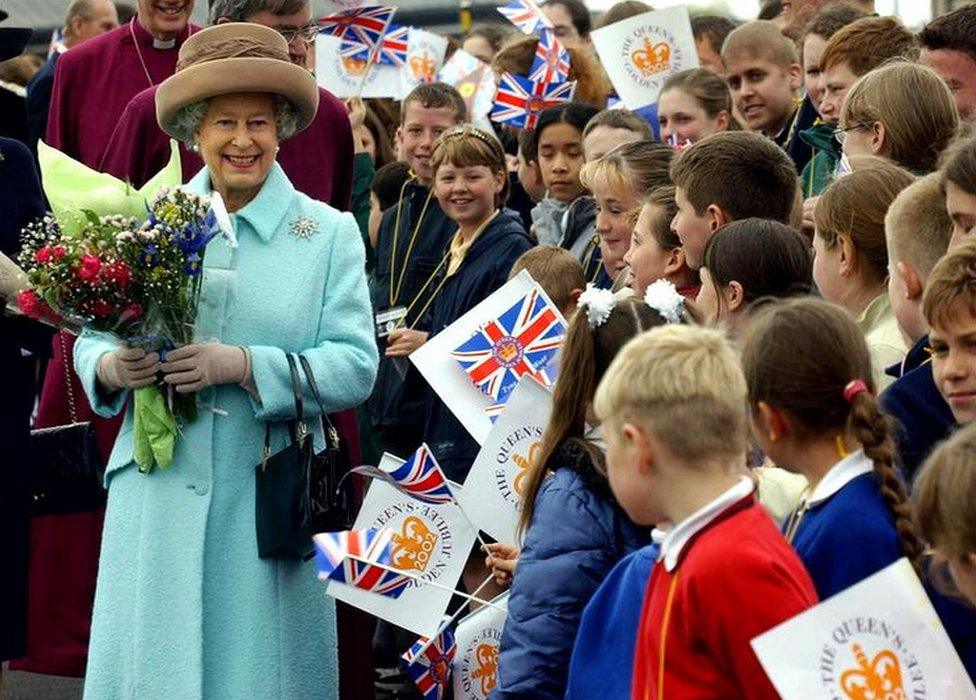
(306, 33)
(841, 134)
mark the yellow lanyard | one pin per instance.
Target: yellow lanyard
(396, 285)
(665, 625)
(793, 523)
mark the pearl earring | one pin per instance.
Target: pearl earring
(195, 148)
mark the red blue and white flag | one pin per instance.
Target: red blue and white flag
(523, 340)
(362, 26)
(551, 62)
(360, 558)
(525, 15)
(420, 476)
(519, 101)
(392, 52)
(429, 663)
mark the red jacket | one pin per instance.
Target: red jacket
(732, 580)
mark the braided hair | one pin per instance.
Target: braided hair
(824, 383)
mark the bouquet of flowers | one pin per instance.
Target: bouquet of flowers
(137, 281)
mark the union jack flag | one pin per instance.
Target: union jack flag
(519, 101)
(420, 477)
(360, 558)
(525, 15)
(551, 63)
(429, 663)
(362, 27)
(393, 50)
(523, 340)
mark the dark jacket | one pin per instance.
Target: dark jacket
(20, 203)
(789, 139)
(484, 269)
(395, 400)
(819, 172)
(39, 101)
(922, 417)
(578, 533)
(580, 237)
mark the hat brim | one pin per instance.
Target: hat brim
(13, 41)
(227, 76)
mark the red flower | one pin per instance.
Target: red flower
(132, 312)
(90, 267)
(101, 308)
(119, 273)
(30, 303)
(58, 252)
(43, 255)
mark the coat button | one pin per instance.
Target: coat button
(202, 490)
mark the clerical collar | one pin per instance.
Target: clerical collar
(161, 44)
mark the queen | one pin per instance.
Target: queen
(184, 606)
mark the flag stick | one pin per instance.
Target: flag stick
(373, 57)
(450, 620)
(421, 580)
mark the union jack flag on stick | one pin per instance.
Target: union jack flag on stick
(392, 50)
(360, 558)
(362, 25)
(525, 15)
(519, 101)
(523, 340)
(428, 662)
(420, 477)
(551, 63)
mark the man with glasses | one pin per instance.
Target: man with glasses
(318, 161)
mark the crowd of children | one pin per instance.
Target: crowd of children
(768, 343)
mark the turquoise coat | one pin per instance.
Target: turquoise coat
(184, 607)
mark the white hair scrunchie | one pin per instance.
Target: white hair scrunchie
(598, 302)
(665, 299)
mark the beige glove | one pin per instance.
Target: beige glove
(200, 365)
(127, 368)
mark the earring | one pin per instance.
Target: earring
(195, 147)
(277, 148)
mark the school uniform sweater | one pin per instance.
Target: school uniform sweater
(846, 532)
(725, 576)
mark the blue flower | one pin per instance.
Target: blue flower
(149, 255)
(192, 267)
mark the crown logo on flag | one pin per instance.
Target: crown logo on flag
(523, 464)
(413, 545)
(877, 678)
(354, 66)
(652, 58)
(486, 656)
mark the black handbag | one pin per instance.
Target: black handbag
(66, 468)
(297, 492)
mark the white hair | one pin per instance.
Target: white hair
(188, 120)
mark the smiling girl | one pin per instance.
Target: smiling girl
(694, 104)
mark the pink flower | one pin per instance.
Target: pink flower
(132, 312)
(101, 308)
(58, 252)
(30, 303)
(43, 255)
(90, 267)
(119, 273)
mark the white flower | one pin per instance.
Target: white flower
(664, 298)
(598, 302)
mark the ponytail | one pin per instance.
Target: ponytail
(871, 428)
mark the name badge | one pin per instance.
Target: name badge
(389, 320)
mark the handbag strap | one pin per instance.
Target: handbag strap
(297, 427)
(333, 434)
(68, 380)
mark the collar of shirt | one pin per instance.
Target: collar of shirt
(840, 475)
(679, 536)
(875, 313)
(267, 210)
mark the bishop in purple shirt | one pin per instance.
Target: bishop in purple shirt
(318, 161)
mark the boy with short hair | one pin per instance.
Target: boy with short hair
(917, 227)
(948, 45)
(559, 274)
(710, 32)
(728, 176)
(764, 75)
(851, 52)
(674, 415)
(412, 239)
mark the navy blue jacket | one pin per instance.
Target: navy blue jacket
(922, 417)
(603, 656)
(396, 400)
(578, 533)
(39, 101)
(790, 140)
(484, 269)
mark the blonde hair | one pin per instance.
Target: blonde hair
(951, 285)
(465, 146)
(684, 386)
(916, 130)
(917, 225)
(639, 167)
(855, 206)
(945, 496)
(760, 39)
